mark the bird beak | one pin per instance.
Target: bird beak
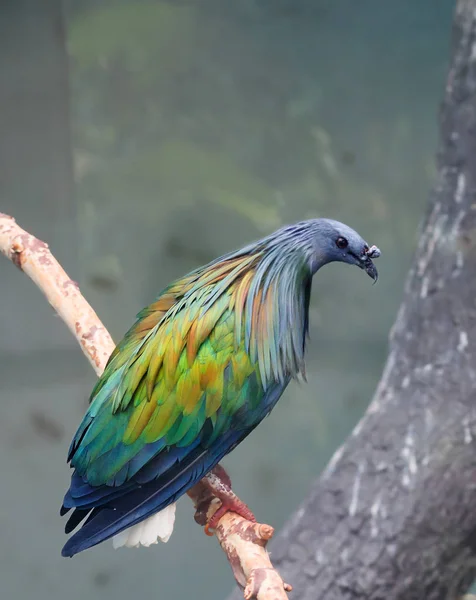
(367, 264)
(370, 269)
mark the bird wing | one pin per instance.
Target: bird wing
(178, 393)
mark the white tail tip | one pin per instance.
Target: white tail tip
(157, 527)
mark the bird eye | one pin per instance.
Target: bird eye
(342, 243)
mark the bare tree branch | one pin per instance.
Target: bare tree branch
(33, 257)
(243, 542)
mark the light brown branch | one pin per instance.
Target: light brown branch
(33, 257)
(243, 542)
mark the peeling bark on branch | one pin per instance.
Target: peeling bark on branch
(394, 515)
(32, 256)
(243, 542)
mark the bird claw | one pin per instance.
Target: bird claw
(236, 506)
(229, 503)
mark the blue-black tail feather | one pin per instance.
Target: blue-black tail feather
(161, 481)
(122, 508)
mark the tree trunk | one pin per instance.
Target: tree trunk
(394, 515)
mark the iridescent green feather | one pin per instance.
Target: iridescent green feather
(205, 351)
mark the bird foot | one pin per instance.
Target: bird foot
(229, 502)
(237, 507)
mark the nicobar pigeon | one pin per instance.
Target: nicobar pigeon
(197, 372)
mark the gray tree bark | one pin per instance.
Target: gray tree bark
(394, 515)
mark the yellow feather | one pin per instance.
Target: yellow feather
(153, 369)
(191, 392)
(203, 326)
(192, 345)
(162, 419)
(208, 374)
(214, 394)
(138, 421)
(160, 393)
(242, 368)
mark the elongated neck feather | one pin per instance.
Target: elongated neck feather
(273, 313)
(268, 285)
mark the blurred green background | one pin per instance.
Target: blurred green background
(144, 138)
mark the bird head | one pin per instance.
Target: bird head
(332, 241)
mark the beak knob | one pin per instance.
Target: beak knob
(373, 252)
